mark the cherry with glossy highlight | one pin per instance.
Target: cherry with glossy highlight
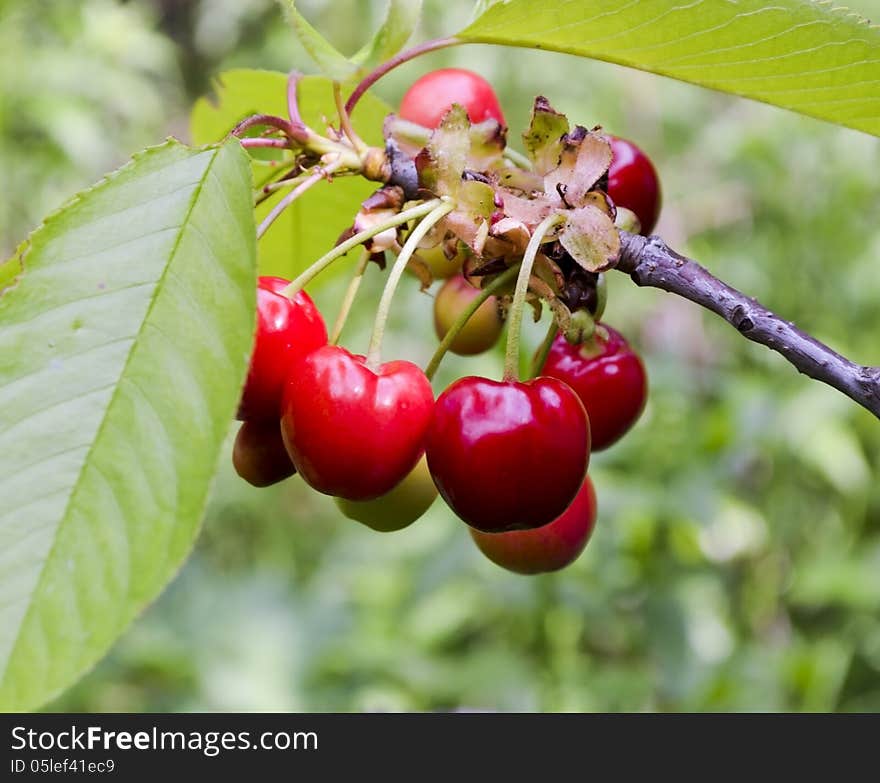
(508, 455)
(633, 182)
(352, 431)
(609, 378)
(287, 329)
(432, 95)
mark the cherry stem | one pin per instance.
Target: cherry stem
(262, 119)
(319, 174)
(350, 294)
(496, 285)
(389, 65)
(303, 135)
(561, 314)
(289, 180)
(275, 168)
(517, 158)
(345, 122)
(601, 297)
(293, 98)
(544, 350)
(409, 247)
(511, 356)
(581, 328)
(362, 236)
(250, 143)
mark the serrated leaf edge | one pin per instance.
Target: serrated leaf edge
(27, 245)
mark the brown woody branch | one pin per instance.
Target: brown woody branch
(650, 262)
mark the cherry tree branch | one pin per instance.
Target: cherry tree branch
(650, 262)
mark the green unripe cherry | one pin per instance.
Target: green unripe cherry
(396, 509)
(483, 328)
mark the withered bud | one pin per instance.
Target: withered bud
(388, 197)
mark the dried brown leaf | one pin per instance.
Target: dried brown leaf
(591, 238)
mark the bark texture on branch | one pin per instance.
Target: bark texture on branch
(650, 262)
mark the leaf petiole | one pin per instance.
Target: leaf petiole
(410, 54)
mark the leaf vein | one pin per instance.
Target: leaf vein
(74, 490)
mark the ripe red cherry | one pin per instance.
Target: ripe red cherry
(633, 182)
(547, 548)
(607, 375)
(259, 456)
(351, 431)
(431, 96)
(482, 329)
(508, 455)
(286, 330)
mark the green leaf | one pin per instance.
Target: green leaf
(9, 270)
(398, 27)
(123, 347)
(312, 225)
(326, 56)
(809, 57)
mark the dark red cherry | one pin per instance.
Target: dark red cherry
(633, 182)
(259, 456)
(508, 455)
(286, 330)
(547, 548)
(607, 375)
(431, 96)
(352, 431)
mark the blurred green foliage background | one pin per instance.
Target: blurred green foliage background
(736, 562)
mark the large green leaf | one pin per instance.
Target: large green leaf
(401, 20)
(805, 56)
(123, 346)
(313, 224)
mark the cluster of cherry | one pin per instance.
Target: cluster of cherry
(509, 457)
